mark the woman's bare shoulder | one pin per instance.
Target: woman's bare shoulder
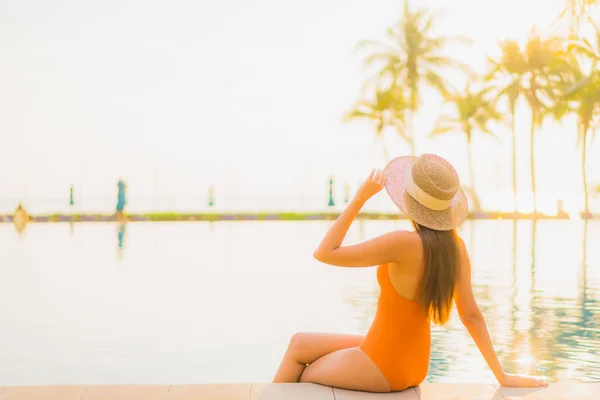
(408, 240)
(409, 251)
(407, 235)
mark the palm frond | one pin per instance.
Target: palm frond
(471, 110)
(438, 61)
(437, 82)
(354, 114)
(390, 59)
(375, 44)
(443, 127)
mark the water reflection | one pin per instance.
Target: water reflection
(533, 244)
(364, 302)
(536, 313)
(519, 357)
(541, 305)
(121, 233)
(184, 302)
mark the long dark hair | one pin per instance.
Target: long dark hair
(441, 254)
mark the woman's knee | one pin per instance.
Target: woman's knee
(297, 339)
(298, 342)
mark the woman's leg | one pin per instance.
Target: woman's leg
(347, 369)
(305, 348)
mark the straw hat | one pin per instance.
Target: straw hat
(427, 190)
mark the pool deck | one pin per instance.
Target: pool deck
(298, 391)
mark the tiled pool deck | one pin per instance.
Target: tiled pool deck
(558, 391)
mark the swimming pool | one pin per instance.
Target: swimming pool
(200, 302)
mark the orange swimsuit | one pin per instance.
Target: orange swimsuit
(399, 339)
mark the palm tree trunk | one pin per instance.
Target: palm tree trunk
(532, 157)
(514, 156)
(410, 124)
(414, 103)
(584, 171)
(379, 134)
(472, 171)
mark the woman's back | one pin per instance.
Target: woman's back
(415, 289)
(406, 273)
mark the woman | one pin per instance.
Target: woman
(420, 274)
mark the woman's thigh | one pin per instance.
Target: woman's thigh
(308, 346)
(347, 369)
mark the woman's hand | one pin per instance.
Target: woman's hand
(521, 381)
(372, 185)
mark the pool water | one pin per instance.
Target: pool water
(217, 302)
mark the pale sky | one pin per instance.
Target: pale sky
(246, 95)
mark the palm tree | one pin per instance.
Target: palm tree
(470, 111)
(576, 12)
(386, 109)
(507, 75)
(583, 98)
(588, 112)
(582, 46)
(548, 66)
(411, 56)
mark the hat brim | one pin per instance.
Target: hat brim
(444, 220)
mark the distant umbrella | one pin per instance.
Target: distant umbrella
(121, 198)
(331, 203)
(121, 236)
